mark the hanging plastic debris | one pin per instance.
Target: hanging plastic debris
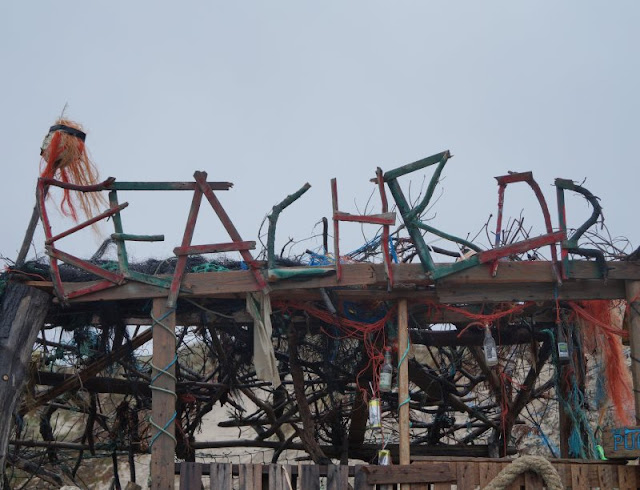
(490, 350)
(375, 419)
(384, 457)
(563, 346)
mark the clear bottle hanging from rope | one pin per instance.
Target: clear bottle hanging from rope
(489, 347)
(386, 372)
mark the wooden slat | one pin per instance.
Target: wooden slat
(245, 477)
(579, 476)
(190, 476)
(257, 477)
(360, 479)
(528, 292)
(517, 483)
(564, 470)
(487, 472)
(603, 476)
(533, 481)
(337, 477)
(221, 476)
(442, 486)
(415, 473)
(468, 475)
(627, 477)
(309, 476)
(274, 483)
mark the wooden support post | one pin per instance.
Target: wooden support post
(163, 399)
(633, 297)
(22, 313)
(403, 382)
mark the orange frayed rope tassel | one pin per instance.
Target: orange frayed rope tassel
(65, 158)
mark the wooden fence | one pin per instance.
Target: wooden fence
(434, 474)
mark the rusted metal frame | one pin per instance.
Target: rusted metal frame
(385, 220)
(273, 220)
(178, 273)
(214, 248)
(385, 228)
(201, 179)
(41, 193)
(527, 177)
(570, 244)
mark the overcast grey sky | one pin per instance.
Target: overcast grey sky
(270, 95)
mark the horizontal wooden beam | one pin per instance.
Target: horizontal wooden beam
(516, 281)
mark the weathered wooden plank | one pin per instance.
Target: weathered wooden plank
(579, 476)
(309, 476)
(274, 483)
(533, 481)
(257, 477)
(245, 477)
(467, 475)
(162, 402)
(564, 470)
(415, 473)
(403, 383)
(582, 290)
(360, 479)
(487, 472)
(606, 476)
(337, 477)
(221, 476)
(190, 475)
(22, 314)
(627, 477)
(517, 483)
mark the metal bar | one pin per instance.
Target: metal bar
(41, 193)
(418, 210)
(374, 219)
(228, 225)
(214, 248)
(498, 237)
(100, 286)
(101, 186)
(123, 259)
(273, 220)
(167, 186)
(385, 228)
(519, 247)
(336, 228)
(87, 266)
(174, 290)
(152, 280)
(137, 238)
(89, 222)
(412, 167)
(446, 236)
(414, 232)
